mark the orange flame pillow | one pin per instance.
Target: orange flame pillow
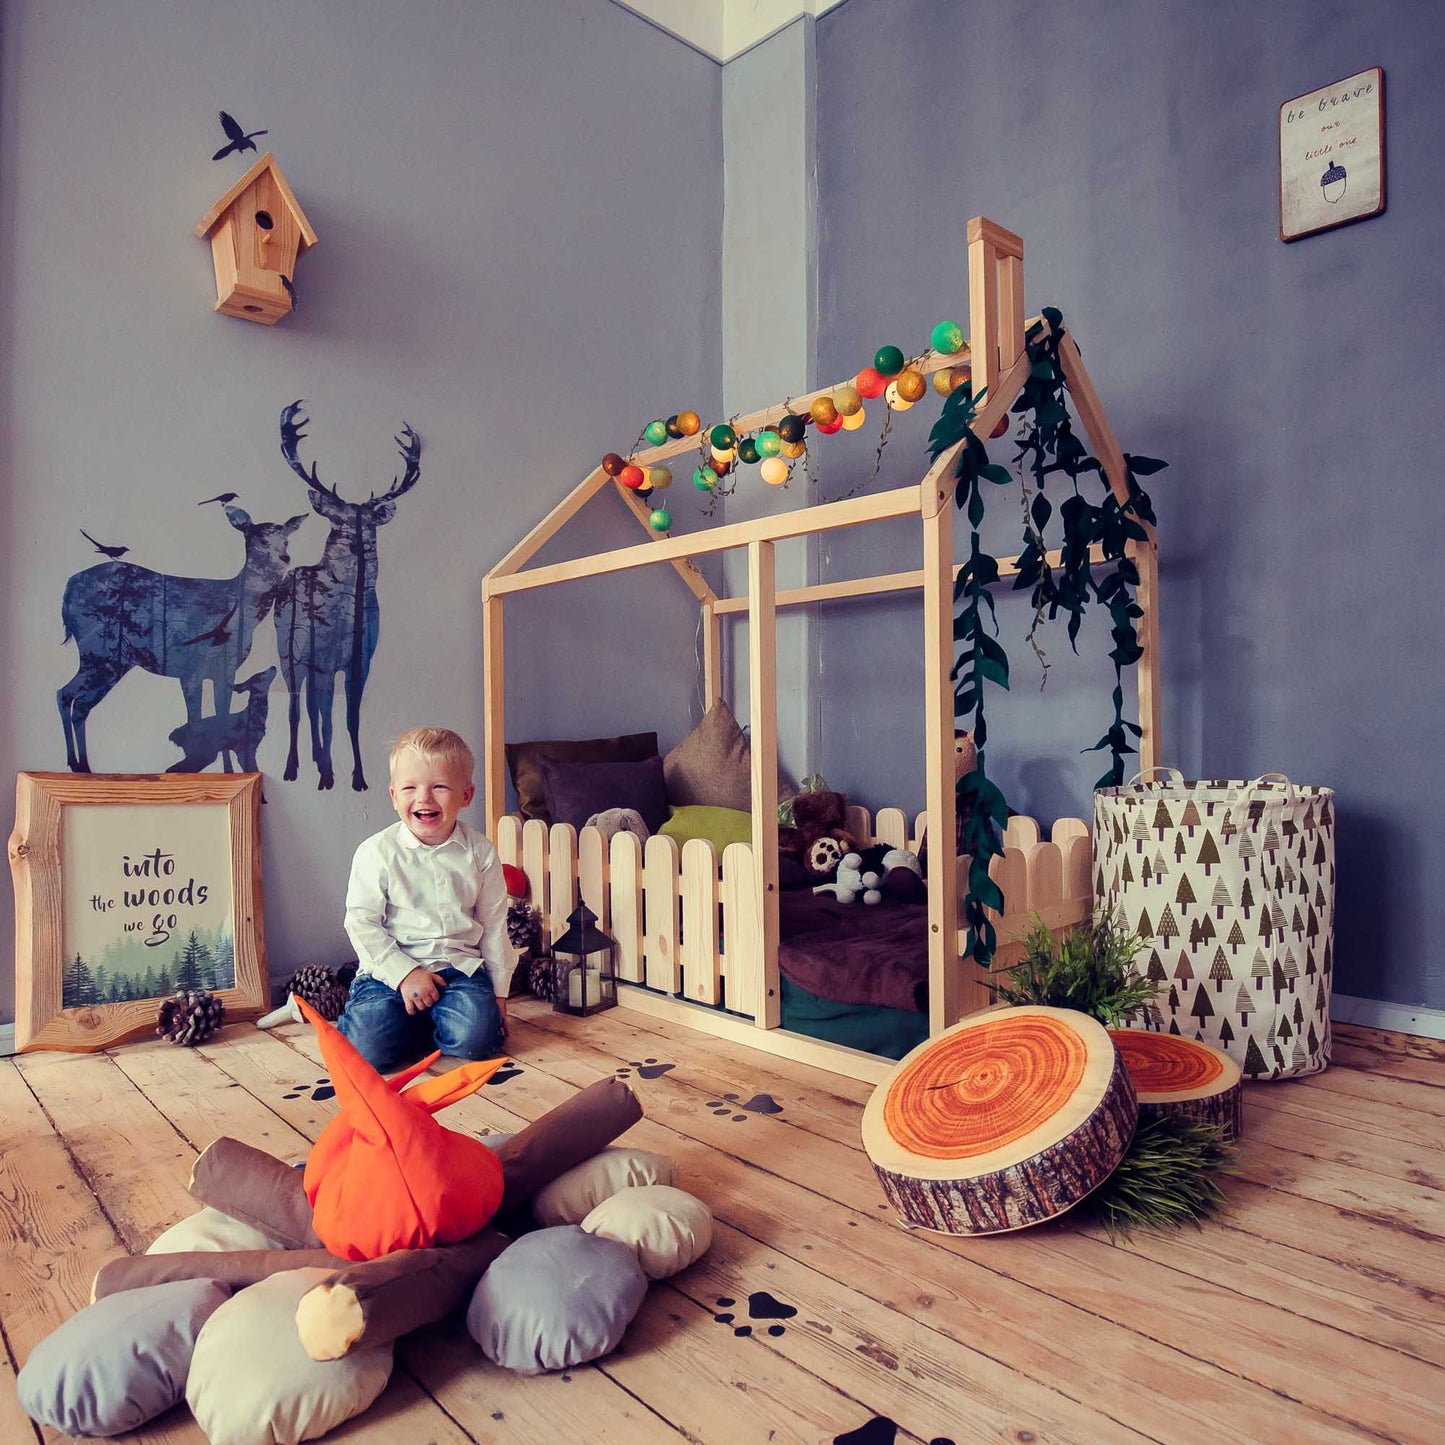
(384, 1175)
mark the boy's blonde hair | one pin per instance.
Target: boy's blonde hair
(434, 743)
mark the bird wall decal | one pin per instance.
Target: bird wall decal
(102, 548)
(236, 137)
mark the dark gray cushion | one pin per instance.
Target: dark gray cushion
(575, 791)
(118, 1362)
(527, 778)
(554, 1299)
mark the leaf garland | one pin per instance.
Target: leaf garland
(1047, 445)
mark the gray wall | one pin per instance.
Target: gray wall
(506, 262)
(1293, 388)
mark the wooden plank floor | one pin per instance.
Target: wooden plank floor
(1314, 1313)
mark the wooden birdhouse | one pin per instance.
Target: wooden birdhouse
(257, 231)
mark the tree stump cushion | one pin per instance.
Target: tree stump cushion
(1183, 1078)
(1007, 1119)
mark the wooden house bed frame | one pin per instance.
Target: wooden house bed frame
(696, 932)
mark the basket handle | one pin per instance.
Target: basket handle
(1263, 782)
(1176, 775)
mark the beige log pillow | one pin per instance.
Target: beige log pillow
(572, 1196)
(666, 1228)
(712, 765)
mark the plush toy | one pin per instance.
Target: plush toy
(818, 840)
(852, 883)
(965, 761)
(619, 820)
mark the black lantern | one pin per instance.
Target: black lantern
(585, 976)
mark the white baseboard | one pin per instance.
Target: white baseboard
(7, 1040)
(1374, 1013)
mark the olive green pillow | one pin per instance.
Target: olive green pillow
(527, 774)
(719, 826)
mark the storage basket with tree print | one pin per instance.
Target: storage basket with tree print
(1233, 885)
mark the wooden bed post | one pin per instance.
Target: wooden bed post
(494, 764)
(712, 687)
(995, 302)
(763, 717)
(947, 995)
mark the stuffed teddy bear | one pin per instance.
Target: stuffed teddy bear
(619, 820)
(817, 839)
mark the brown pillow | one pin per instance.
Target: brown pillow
(527, 776)
(712, 765)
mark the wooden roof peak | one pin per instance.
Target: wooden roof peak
(212, 218)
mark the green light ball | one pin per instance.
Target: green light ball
(747, 451)
(947, 337)
(660, 519)
(704, 479)
(723, 437)
(768, 443)
(888, 361)
(655, 432)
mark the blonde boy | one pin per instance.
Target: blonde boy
(426, 911)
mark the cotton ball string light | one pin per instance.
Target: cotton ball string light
(768, 443)
(704, 479)
(947, 337)
(824, 412)
(774, 471)
(723, 437)
(792, 427)
(853, 420)
(725, 455)
(1001, 428)
(911, 385)
(888, 361)
(895, 398)
(748, 451)
(632, 477)
(671, 427)
(689, 423)
(847, 400)
(870, 382)
(655, 432)
(836, 425)
(613, 464)
(658, 478)
(793, 450)
(660, 519)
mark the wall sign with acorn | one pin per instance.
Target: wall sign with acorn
(1332, 155)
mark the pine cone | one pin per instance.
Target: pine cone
(189, 1018)
(325, 989)
(524, 925)
(542, 978)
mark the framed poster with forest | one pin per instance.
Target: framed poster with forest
(128, 888)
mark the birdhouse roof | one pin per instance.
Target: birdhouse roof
(212, 218)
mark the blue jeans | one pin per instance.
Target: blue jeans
(464, 1022)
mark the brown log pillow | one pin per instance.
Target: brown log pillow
(527, 776)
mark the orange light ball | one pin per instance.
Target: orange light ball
(943, 381)
(632, 477)
(871, 382)
(847, 400)
(824, 412)
(1001, 428)
(911, 385)
(690, 422)
(854, 419)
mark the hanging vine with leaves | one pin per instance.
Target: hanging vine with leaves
(1047, 445)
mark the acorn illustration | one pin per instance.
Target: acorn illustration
(1332, 183)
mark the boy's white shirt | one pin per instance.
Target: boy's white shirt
(411, 905)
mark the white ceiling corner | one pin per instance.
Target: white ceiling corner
(724, 29)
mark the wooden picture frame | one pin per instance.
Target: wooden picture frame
(1332, 156)
(152, 882)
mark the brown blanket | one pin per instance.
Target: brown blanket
(851, 953)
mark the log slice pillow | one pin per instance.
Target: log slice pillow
(1183, 1079)
(1006, 1119)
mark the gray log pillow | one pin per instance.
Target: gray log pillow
(118, 1362)
(554, 1299)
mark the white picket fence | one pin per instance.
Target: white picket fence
(686, 921)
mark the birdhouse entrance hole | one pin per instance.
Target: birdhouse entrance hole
(263, 219)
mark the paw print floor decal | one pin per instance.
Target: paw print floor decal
(761, 1306)
(880, 1430)
(322, 1089)
(509, 1070)
(758, 1104)
(646, 1069)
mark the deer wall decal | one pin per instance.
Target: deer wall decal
(327, 615)
(121, 616)
(231, 736)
